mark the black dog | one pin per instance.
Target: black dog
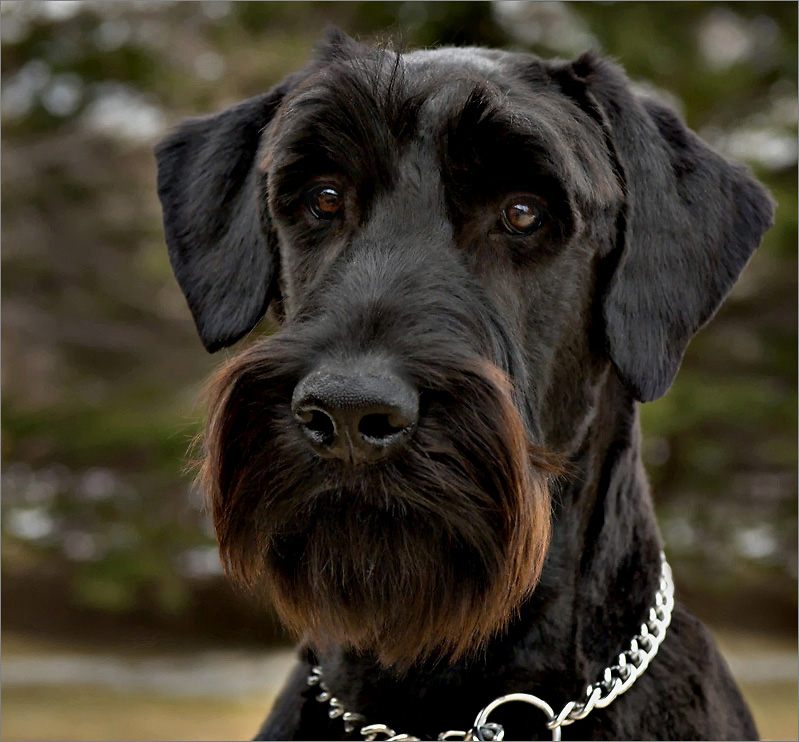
(480, 261)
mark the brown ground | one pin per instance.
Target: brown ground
(90, 712)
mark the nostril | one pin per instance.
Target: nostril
(381, 426)
(355, 417)
(318, 425)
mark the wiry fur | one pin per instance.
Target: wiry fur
(468, 563)
(461, 518)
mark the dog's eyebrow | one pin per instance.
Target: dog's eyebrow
(479, 107)
(488, 116)
(521, 139)
(359, 106)
(488, 134)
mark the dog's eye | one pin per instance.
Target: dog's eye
(523, 215)
(325, 202)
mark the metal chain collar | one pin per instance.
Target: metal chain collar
(616, 679)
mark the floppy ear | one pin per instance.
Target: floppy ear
(691, 221)
(215, 219)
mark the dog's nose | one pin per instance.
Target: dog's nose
(355, 417)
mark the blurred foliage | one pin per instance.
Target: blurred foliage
(101, 369)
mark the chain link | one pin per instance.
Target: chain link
(615, 680)
(632, 662)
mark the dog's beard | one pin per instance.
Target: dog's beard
(426, 555)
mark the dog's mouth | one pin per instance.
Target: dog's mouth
(425, 553)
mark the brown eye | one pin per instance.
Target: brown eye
(325, 202)
(523, 215)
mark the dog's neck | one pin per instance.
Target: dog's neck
(606, 533)
(597, 585)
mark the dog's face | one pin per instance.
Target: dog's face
(460, 246)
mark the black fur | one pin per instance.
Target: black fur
(413, 579)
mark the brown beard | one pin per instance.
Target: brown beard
(426, 555)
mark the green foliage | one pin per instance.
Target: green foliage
(102, 369)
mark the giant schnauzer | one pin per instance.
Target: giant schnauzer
(480, 262)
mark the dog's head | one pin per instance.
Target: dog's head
(459, 245)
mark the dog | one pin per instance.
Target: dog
(480, 262)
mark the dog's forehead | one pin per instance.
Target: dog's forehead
(446, 78)
(377, 104)
(436, 81)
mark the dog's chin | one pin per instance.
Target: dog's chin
(394, 582)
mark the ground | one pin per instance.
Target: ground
(70, 693)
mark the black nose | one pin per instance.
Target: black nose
(355, 417)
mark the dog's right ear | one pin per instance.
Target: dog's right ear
(213, 196)
(215, 219)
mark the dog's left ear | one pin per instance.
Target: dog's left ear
(691, 221)
(215, 220)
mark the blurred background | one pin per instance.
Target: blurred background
(117, 623)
